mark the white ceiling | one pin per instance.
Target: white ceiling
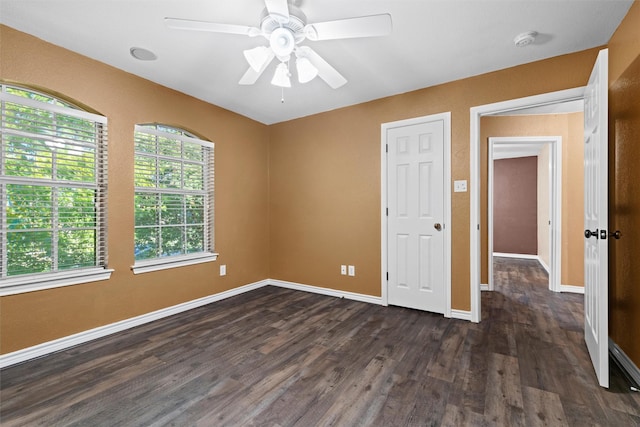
(433, 41)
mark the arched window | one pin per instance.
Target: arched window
(53, 182)
(173, 198)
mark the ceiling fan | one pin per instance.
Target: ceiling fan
(286, 27)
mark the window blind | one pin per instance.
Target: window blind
(53, 185)
(174, 189)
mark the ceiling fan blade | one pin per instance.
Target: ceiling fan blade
(252, 76)
(364, 26)
(325, 71)
(278, 10)
(213, 27)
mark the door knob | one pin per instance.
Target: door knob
(616, 234)
(437, 226)
(589, 233)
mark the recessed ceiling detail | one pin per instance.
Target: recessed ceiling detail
(142, 54)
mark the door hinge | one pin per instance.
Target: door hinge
(387, 211)
(387, 276)
(387, 148)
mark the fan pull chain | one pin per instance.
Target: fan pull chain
(282, 99)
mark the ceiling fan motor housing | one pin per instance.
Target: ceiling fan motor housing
(296, 23)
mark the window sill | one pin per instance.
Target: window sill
(157, 264)
(31, 283)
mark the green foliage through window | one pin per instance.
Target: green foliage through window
(174, 193)
(52, 185)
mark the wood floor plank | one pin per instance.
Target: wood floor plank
(503, 404)
(431, 402)
(361, 401)
(445, 363)
(401, 395)
(469, 387)
(455, 416)
(280, 357)
(543, 408)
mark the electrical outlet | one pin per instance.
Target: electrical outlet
(352, 270)
(223, 270)
(343, 270)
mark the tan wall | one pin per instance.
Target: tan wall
(624, 191)
(293, 200)
(325, 175)
(544, 207)
(573, 203)
(570, 128)
(241, 228)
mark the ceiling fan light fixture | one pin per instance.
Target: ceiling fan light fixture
(306, 70)
(256, 57)
(285, 26)
(281, 76)
(282, 42)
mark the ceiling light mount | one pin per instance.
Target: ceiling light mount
(525, 39)
(282, 42)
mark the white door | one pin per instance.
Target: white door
(415, 223)
(596, 297)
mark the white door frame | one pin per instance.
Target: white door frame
(474, 157)
(446, 118)
(555, 203)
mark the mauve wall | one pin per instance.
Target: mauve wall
(515, 205)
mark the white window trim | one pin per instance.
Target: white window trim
(69, 111)
(183, 138)
(39, 282)
(156, 264)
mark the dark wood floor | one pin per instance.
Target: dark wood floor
(277, 357)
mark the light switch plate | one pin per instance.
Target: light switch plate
(460, 186)
(352, 270)
(223, 270)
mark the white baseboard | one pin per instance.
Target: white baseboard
(102, 331)
(484, 286)
(326, 291)
(461, 315)
(625, 362)
(544, 265)
(572, 289)
(63, 343)
(521, 256)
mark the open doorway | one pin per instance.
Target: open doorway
(525, 203)
(529, 105)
